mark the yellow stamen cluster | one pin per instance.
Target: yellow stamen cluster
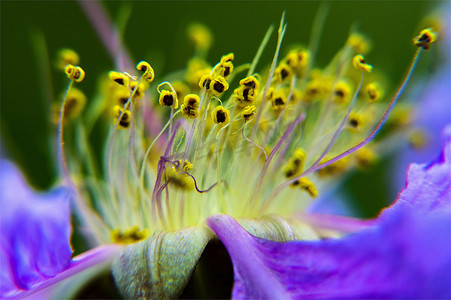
(248, 144)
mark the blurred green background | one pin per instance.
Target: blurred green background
(156, 32)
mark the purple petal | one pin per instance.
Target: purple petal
(81, 269)
(429, 186)
(34, 244)
(406, 254)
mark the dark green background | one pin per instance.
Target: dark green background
(156, 32)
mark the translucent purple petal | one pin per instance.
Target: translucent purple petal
(35, 231)
(406, 254)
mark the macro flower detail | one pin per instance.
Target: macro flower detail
(241, 154)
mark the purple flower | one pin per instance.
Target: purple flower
(241, 160)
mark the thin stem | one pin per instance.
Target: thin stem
(281, 32)
(255, 144)
(60, 149)
(284, 137)
(143, 164)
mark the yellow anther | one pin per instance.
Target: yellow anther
(192, 100)
(248, 113)
(307, 186)
(295, 163)
(359, 43)
(334, 169)
(67, 57)
(145, 67)
(292, 59)
(225, 67)
(121, 96)
(245, 95)
(282, 72)
(140, 90)
(279, 100)
(179, 180)
(374, 91)
(190, 106)
(75, 102)
(219, 85)
(220, 115)
(124, 122)
(129, 236)
(119, 78)
(365, 157)
(342, 92)
(297, 60)
(75, 73)
(359, 63)
(425, 38)
(250, 82)
(189, 112)
(200, 36)
(355, 121)
(168, 98)
(205, 82)
(270, 95)
(227, 58)
(187, 166)
(317, 88)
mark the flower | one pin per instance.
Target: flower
(240, 151)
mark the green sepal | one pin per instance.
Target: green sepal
(160, 267)
(276, 228)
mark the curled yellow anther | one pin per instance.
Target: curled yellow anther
(75, 73)
(145, 67)
(359, 63)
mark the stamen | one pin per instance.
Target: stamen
(317, 166)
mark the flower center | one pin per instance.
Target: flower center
(235, 145)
